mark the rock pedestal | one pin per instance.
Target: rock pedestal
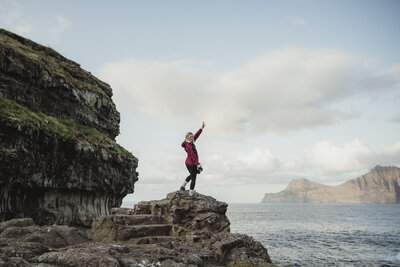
(197, 224)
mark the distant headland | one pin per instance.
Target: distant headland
(379, 186)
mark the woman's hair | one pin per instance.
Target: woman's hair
(187, 137)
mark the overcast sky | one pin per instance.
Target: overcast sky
(287, 89)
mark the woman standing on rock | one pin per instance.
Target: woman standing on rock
(192, 160)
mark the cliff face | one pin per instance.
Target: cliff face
(59, 161)
(381, 186)
(42, 80)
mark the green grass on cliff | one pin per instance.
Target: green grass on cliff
(44, 56)
(66, 129)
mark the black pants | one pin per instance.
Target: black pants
(193, 173)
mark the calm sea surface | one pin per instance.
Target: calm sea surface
(322, 234)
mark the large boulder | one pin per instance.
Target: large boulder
(196, 225)
(21, 240)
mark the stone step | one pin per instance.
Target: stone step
(143, 207)
(125, 233)
(154, 207)
(153, 240)
(140, 219)
(125, 211)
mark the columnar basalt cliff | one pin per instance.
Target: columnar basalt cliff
(380, 186)
(59, 161)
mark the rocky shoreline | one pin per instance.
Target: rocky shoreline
(179, 230)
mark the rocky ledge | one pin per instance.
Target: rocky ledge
(176, 231)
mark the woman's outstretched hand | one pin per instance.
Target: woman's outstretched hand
(203, 125)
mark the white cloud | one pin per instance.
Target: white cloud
(280, 120)
(298, 21)
(323, 161)
(156, 88)
(332, 161)
(24, 29)
(12, 19)
(60, 26)
(170, 164)
(393, 149)
(284, 90)
(396, 119)
(331, 157)
(223, 165)
(233, 163)
(395, 68)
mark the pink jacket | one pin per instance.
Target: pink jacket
(190, 148)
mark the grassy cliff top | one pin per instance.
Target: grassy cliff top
(67, 130)
(57, 65)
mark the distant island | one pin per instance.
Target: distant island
(379, 186)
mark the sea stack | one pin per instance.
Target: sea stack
(59, 162)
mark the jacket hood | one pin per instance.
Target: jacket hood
(184, 144)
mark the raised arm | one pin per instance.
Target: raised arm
(197, 134)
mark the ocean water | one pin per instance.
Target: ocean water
(322, 234)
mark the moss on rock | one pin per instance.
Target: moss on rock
(67, 130)
(49, 59)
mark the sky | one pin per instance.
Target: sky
(287, 89)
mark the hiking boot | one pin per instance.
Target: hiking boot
(182, 188)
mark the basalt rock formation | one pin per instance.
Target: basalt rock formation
(59, 162)
(380, 186)
(179, 230)
(189, 230)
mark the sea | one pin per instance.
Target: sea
(314, 235)
(322, 234)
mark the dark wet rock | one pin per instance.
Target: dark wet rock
(21, 240)
(126, 238)
(41, 79)
(195, 226)
(59, 162)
